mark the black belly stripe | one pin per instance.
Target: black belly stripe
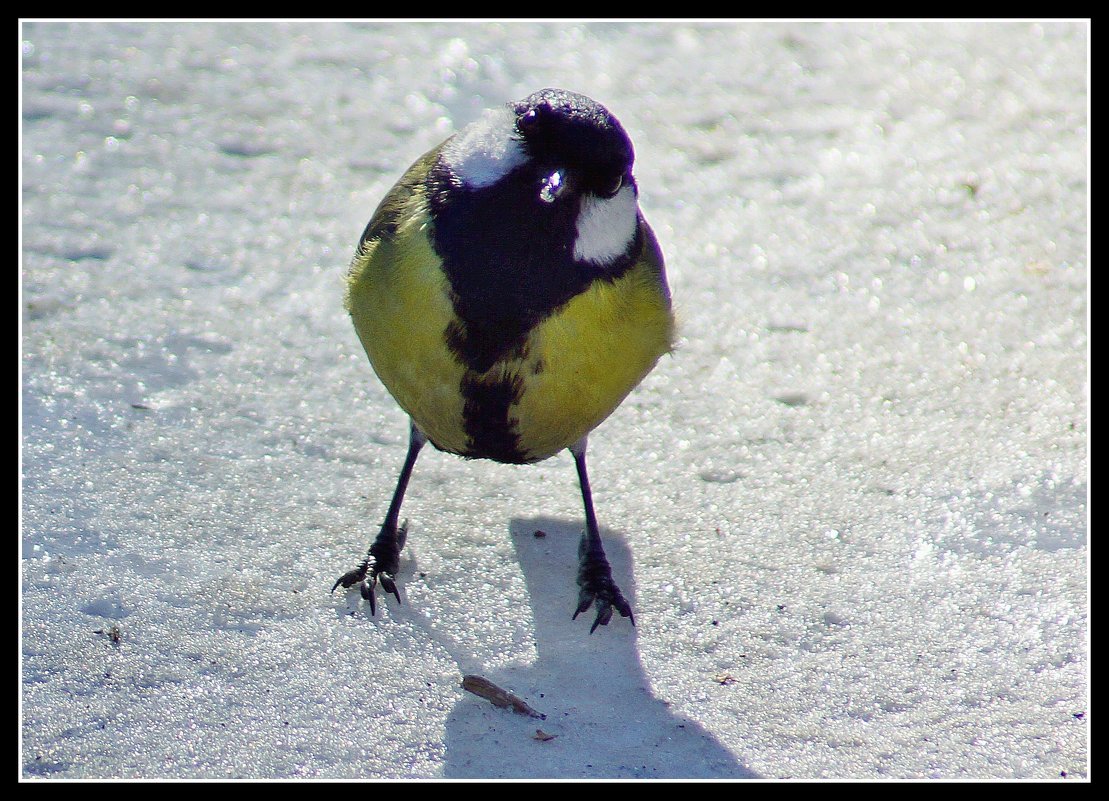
(490, 430)
(486, 416)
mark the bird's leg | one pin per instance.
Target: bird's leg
(594, 574)
(383, 559)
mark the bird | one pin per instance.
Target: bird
(510, 294)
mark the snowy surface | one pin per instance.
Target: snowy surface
(850, 511)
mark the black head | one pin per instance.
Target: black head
(565, 129)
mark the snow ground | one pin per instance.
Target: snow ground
(851, 511)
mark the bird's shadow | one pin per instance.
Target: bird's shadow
(602, 718)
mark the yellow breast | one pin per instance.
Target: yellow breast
(585, 359)
(579, 363)
(399, 301)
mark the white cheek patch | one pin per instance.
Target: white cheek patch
(606, 226)
(485, 151)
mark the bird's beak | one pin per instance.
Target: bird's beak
(554, 185)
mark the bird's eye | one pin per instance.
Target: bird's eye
(612, 187)
(529, 121)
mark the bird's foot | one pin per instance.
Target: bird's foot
(599, 590)
(381, 565)
(367, 576)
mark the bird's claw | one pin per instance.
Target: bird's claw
(380, 566)
(348, 580)
(388, 584)
(367, 579)
(606, 596)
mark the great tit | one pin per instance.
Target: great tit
(510, 294)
